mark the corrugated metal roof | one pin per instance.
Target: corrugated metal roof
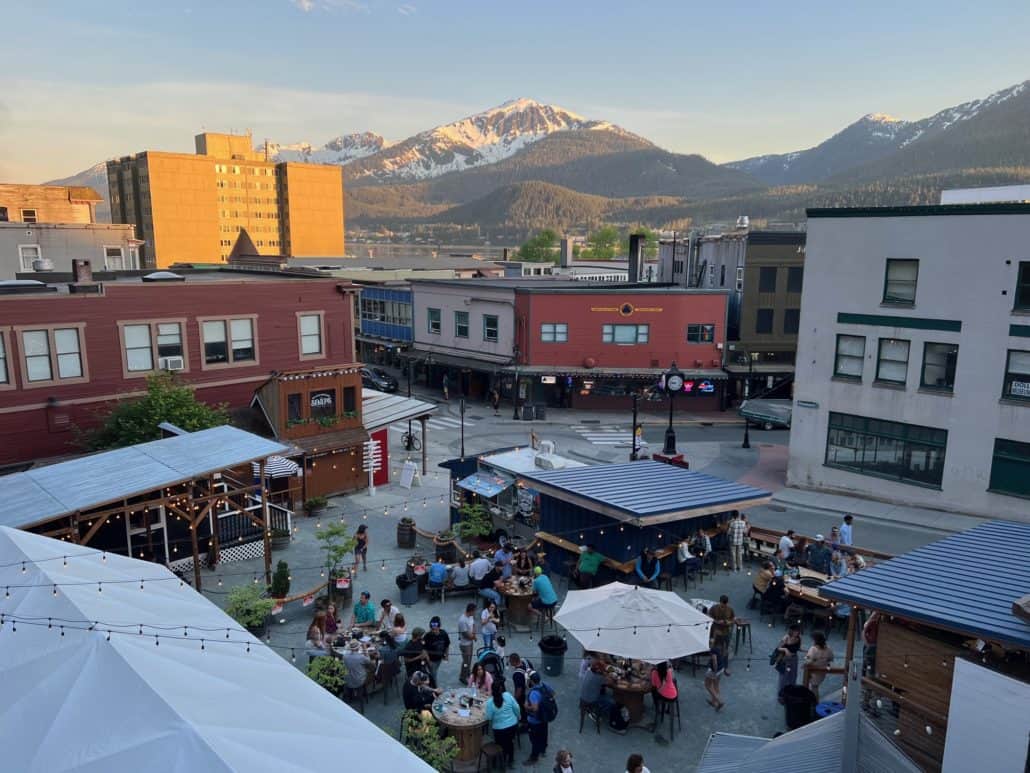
(725, 751)
(485, 484)
(966, 583)
(44, 493)
(645, 488)
(379, 409)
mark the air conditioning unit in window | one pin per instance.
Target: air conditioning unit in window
(171, 363)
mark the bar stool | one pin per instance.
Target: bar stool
(743, 627)
(587, 709)
(663, 707)
(547, 618)
(493, 753)
(665, 581)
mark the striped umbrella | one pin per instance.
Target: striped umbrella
(276, 467)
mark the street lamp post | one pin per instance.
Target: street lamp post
(515, 388)
(462, 404)
(673, 384)
(408, 371)
(747, 392)
(634, 448)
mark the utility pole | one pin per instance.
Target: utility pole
(462, 409)
(634, 448)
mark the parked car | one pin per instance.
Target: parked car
(767, 414)
(377, 378)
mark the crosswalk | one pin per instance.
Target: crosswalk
(439, 423)
(604, 435)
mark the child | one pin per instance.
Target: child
(499, 646)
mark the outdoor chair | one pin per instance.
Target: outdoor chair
(587, 709)
(493, 754)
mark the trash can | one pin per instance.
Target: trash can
(798, 705)
(540, 412)
(409, 589)
(528, 413)
(552, 654)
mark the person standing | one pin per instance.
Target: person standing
(445, 384)
(361, 547)
(438, 644)
(503, 713)
(818, 659)
(723, 616)
(819, 555)
(488, 620)
(787, 661)
(716, 668)
(846, 535)
(521, 669)
(586, 568)
(495, 401)
(414, 654)
(537, 717)
(737, 532)
(467, 640)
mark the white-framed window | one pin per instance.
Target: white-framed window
(491, 327)
(899, 282)
(461, 324)
(228, 341)
(625, 334)
(700, 333)
(28, 253)
(5, 370)
(52, 354)
(554, 332)
(850, 357)
(29, 216)
(139, 350)
(892, 361)
(310, 335)
(114, 258)
(433, 321)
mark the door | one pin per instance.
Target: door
(145, 533)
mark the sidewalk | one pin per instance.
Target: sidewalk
(874, 510)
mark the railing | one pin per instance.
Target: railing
(235, 527)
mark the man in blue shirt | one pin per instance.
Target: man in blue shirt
(437, 573)
(537, 726)
(504, 555)
(544, 597)
(647, 568)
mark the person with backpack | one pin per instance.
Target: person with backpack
(521, 669)
(542, 709)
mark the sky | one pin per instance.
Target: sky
(87, 81)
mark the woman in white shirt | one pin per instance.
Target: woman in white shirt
(635, 764)
(388, 615)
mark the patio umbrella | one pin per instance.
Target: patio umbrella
(276, 467)
(632, 622)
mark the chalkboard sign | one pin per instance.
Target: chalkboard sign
(409, 475)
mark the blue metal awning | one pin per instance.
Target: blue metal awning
(965, 583)
(485, 484)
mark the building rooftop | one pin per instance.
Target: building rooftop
(646, 492)
(927, 210)
(391, 263)
(178, 275)
(965, 583)
(566, 284)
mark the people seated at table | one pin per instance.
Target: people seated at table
(835, 540)
(388, 613)
(389, 650)
(855, 563)
(479, 567)
(786, 545)
(414, 654)
(437, 643)
(488, 584)
(544, 596)
(489, 619)
(838, 566)
(332, 623)
(460, 575)
(399, 631)
(592, 689)
(437, 573)
(585, 573)
(522, 566)
(504, 554)
(818, 659)
(799, 556)
(780, 561)
(417, 693)
(764, 577)
(480, 679)
(819, 555)
(663, 682)
(647, 568)
(686, 562)
(503, 714)
(364, 611)
(315, 638)
(701, 545)
(359, 665)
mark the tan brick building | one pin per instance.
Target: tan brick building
(47, 204)
(227, 200)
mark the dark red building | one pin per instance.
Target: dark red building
(68, 350)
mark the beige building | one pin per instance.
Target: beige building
(226, 200)
(26, 247)
(47, 204)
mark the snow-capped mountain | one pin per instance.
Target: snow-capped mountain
(484, 138)
(871, 138)
(340, 150)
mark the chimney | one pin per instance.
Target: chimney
(565, 256)
(636, 257)
(82, 271)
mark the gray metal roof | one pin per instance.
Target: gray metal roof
(44, 493)
(645, 489)
(964, 583)
(379, 409)
(725, 751)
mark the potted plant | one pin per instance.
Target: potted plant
(280, 587)
(422, 736)
(249, 608)
(328, 672)
(337, 542)
(406, 533)
(475, 522)
(280, 539)
(316, 505)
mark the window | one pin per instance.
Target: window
(767, 279)
(433, 319)
(3, 215)
(461, 324)
(791, 321)
(1023, 286)
(899, 285)
(850, 357)
(50, 351)
(722, 275)
(490, 327)
(939, 366)
(294, 411)
(1010, 468)
(114, 259)
(764, 321)
(323, 404)
(139, 355)
(28, 216)
(892, 361)
(350, 400)
(625, 334)
(310, 330)
(700, 334)
(903, 452)
(228, 341)
(554, 332)
(795, 277)
(28, 253)
(5, 373)
(169, 340)
(1017, 375)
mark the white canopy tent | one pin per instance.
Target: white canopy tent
(85, 690)
(633, 622)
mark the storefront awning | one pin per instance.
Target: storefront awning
(484, 484)
(711, 374)
(454, 361)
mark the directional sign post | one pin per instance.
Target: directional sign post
(371, 462)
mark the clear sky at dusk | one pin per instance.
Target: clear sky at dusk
(84, 81)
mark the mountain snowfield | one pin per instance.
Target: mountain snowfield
(339, 150)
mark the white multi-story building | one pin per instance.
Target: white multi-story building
(913, 365)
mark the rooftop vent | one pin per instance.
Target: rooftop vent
(164, 276)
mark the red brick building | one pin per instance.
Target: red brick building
(67, 350)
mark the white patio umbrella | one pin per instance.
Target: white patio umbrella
(632, 622)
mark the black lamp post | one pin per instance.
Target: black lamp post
(634, 447)
(515, 389)
(407, 370)
(462, 427)
(747, 392)
(673, 384)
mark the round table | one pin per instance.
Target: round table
(517, 601)
(631, 695)
(467, 730)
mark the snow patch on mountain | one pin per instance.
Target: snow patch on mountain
(340, 150)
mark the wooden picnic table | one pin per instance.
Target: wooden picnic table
(464, 724)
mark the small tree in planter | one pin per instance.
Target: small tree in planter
(422, 737)
(316, 505)
(329, 672)
(406, 532)
(249, 608)
(280, 587)
(337, 543)
(443, 542)
(475, 522)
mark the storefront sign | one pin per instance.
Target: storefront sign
(807, 404)
(627, 309)
(548, 379)
(323, 399)
(706, 386)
